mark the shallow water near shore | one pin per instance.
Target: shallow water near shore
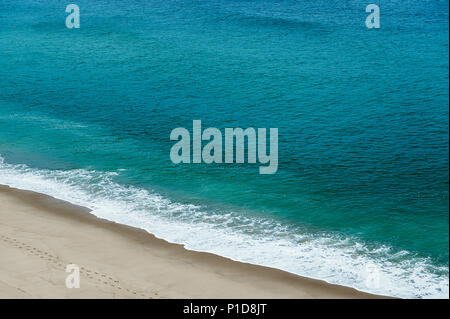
(362, 185)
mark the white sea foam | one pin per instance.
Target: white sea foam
(262, 241)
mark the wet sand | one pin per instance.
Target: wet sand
(40, 236)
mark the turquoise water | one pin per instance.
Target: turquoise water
(85, 115)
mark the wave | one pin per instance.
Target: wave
(266, 20)
(330, 257)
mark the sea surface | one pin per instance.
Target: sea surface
(361, 194)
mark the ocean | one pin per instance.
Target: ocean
(360, 197)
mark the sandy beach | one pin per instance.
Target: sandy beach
(40, 236)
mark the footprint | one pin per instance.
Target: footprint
(101, 278)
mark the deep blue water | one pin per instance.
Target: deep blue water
(86, 114)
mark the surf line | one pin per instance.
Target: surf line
(213, 151)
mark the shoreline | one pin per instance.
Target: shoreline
(40, 235)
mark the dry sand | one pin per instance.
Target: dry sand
(40, 235)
